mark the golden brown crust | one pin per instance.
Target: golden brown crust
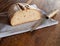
(14, 9)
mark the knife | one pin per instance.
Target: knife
(49, 16)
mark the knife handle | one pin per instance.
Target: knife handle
(52, 14)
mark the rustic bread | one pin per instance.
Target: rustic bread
(20, 13)
(5, 4)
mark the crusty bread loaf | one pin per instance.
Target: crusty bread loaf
(20, 14)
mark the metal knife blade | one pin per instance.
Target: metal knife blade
(49, 16)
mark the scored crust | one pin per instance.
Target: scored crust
(19, 16)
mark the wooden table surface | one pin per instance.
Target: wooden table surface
(49, 36)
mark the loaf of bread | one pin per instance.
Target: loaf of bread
(5, 4)
(20, 13)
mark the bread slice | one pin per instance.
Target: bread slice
(23, 16)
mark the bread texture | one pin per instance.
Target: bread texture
(18, 15)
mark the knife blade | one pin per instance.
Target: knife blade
(49, 16)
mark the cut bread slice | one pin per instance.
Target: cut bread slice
(23, 16)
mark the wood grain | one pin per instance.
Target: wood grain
(49, 36)
(5, 4)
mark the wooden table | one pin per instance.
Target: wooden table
(49, 36)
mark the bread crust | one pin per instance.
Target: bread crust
(15, 8)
